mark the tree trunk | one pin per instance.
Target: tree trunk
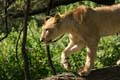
(25, 55)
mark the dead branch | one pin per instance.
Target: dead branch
(108, 73)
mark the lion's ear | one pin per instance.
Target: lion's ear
(57, 18)
(48, 17)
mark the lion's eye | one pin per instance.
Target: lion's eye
(46, 29)
(49, 30)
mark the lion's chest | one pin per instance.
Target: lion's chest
(76, 37)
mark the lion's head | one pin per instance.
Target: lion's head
(51, 28)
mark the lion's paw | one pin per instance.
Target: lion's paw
(83, 72)
(66, 64)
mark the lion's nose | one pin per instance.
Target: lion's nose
(42, 39)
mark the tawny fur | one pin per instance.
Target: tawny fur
(85, 26)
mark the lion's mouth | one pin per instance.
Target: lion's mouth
(49, 41)
(45, 41)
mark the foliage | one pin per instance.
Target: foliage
(12, 69)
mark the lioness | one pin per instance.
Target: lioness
(85, 26)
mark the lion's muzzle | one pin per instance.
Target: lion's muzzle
(45, 41)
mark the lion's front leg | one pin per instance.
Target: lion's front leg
(71, 48)
(64, 56)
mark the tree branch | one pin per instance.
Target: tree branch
(55, 3)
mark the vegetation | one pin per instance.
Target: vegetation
(11, 64)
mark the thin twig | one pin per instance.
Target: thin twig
(17, 42)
